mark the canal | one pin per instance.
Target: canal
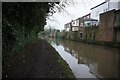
(87, 60)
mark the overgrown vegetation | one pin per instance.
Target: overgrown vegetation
(21, 22)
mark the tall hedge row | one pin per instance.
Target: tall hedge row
(21, 22)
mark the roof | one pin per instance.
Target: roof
(117, 11)
(90, 19)
(98, 5)
(86, 15)
(67, 23)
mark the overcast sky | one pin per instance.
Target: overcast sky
(77, 9)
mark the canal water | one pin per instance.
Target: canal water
(87, 60)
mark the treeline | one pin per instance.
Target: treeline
(21, 22)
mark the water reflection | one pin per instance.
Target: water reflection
(97, 60)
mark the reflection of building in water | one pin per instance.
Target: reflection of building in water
(119, 62)
(67, 49)
(102, 61)
(82, 60)
(93, 69)
(57, 41)
(75, 54)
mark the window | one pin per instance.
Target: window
(118, 17)
(117, 20)
(81, 35)
(97, 13)
(105, 10)
(81, 25)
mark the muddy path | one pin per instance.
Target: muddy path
(38, 60)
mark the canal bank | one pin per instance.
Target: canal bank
(74, 36)
(38, 60)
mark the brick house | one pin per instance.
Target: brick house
(108, 5)
(86, 22)
(109, 30)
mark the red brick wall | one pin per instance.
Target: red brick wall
(106, 29)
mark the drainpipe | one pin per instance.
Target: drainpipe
(108, 4)
(71, 24)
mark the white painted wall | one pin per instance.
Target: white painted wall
(98, 10)
(67, 29)
(119, 4)
(114, 0)
(90, 23)
(75, 23)
(113, 5)
(75, 29)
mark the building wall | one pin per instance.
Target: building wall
(81, 34)
(91, 33)
(67, 27)
(96, 11)
(119, 5)
(118, 36)
(75, 22)
(106, 29)
(88, 16)
(107, 6)
(75, 28)
(117, 25)
(113, 5)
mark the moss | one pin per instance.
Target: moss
(65, 67)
